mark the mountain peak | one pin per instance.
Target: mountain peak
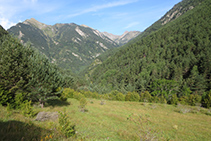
(85, 25)
(35, 23)
(124, 38)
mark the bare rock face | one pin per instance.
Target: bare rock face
(43, 116)
(124, 38)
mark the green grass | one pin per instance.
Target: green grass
(110, 122)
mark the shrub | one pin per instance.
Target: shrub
(68, 93)
(193, 99)
(113, 95)
(95, 95)
(163, 100)
(105, 96)
(77, 95)
(155, 99)
(20, 98)
(27, 109)
(120, 97)
(173, 100)
(206, 100)
(145, 97)
(127, 97)
(5, 97)
(88, 94)
(183, 100)
(83, 103)
(132, 96)
(65, 125)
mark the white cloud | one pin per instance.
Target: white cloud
(12, 11)
(132, 24)
(103, 6)
(6, 23)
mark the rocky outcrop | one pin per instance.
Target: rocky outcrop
(44, 116)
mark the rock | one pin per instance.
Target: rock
(43, 116)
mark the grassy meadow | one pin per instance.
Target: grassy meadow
(114, 120)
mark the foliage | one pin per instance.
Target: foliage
(20, 100)
(83, 103)
(132, 96)
(78, 95)
(24, 70)
(164, 87)
(66, 127)
(173, 100)
(27, 109)
(63, 96)
(68, 92)
(184, 100)
(145, 97)
(5, 97)
(120, 97)
(193, 99)
(206, 100)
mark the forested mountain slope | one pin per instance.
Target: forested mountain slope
(178, 10)
(178, 53)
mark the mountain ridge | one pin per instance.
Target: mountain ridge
(68, 45)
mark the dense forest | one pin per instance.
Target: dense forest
(172, 60)
(25, 74)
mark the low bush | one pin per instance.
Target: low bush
(146, 97)
(65, 126)
(206, 100)
(5, 97)
(120, 97)
(173, 100)
(27, 109)
(132, 96)
(83, 103)
(78, 95)
(193, 99)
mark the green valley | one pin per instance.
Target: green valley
(73, 82)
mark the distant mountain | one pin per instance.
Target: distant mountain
(70, 46)
(124, 38)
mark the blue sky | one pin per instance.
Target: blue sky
(113, 16)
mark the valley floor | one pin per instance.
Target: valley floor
(113, 121)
